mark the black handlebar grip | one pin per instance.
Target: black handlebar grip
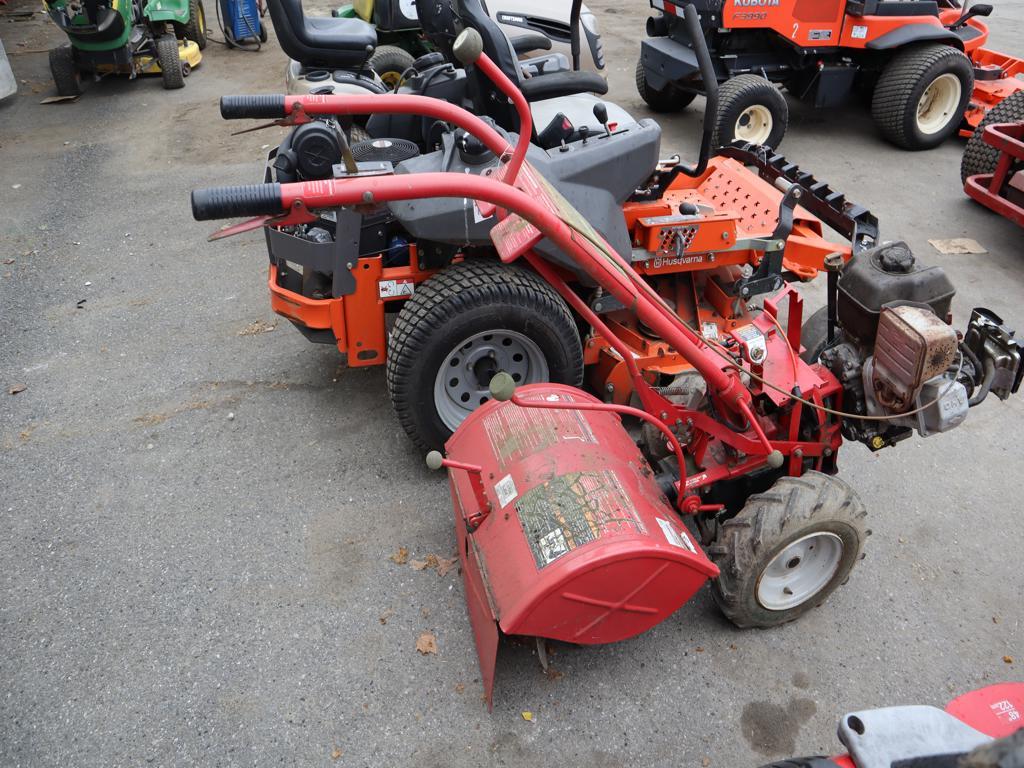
(230, 202)
(269, 107)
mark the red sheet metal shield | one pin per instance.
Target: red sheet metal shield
(579, 543)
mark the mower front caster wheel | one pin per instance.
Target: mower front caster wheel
(65, 71)
(787, 550)
(461, 327)
(170, 62)
(750, 109)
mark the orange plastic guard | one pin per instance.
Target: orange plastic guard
(579, 544)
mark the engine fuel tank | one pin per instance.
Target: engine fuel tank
(564, 533)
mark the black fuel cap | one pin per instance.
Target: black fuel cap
(896, 257)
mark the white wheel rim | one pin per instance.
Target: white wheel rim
(754, 125)
(463, 381)
(937, 105)
(800, 571)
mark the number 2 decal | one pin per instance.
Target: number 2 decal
(795, 28)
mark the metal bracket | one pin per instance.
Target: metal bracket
(768, 275)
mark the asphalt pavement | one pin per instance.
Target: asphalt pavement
(199, 508)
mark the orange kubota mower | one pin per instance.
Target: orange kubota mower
(922, 63)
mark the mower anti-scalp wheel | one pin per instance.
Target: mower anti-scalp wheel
(170, 62)
(65, 71)
(390, 62)
(921, 96)
(787, 549)
(195, 29)
(667, 100)
(980, 157)
(462, 326)
(750, 109)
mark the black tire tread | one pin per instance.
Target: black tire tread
(790, 503)
(459, 288)
(65, 71)
(192, 30)
(892, 94)
(980, 157)
(170, 62)
(814, 335)
(739, 88)
(668, 100)
(390, 58)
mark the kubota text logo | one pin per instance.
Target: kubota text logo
(753, 3)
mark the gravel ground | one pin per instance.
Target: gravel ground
(197, 518)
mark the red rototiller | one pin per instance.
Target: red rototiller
(571, 528)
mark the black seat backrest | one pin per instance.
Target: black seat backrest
(440, 22)
(317, 41)
(484, 93)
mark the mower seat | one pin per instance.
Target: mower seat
(321, 41)
(488, 99)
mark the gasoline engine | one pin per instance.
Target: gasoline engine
(902, 365)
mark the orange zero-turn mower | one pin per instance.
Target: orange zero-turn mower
(569, 529)
(416, 285)
(922, 64)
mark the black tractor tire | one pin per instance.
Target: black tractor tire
(264, 34)
(195, 29)
(900, 88)
(170, 62)
(390, 62)
(65, 71)
(667, 100)
(792, 510)
(814, 335)
(455, 305)
(980, 157)
(746, 98)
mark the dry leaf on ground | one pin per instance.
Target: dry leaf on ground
(1008, 659)
(401, 556)
(528, 717)
(446, 564)
(460, 688)
(336, 753)
(386, 615)
(257, 327)
(16, 388)
(426, 643)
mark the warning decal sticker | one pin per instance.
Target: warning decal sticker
(674, 537)
(516, 433)
(573, 510)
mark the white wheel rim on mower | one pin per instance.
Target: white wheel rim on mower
(463, 380)
(938, 103)
(754, 125)
(800, 571)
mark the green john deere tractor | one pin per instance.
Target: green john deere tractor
(130, 37)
